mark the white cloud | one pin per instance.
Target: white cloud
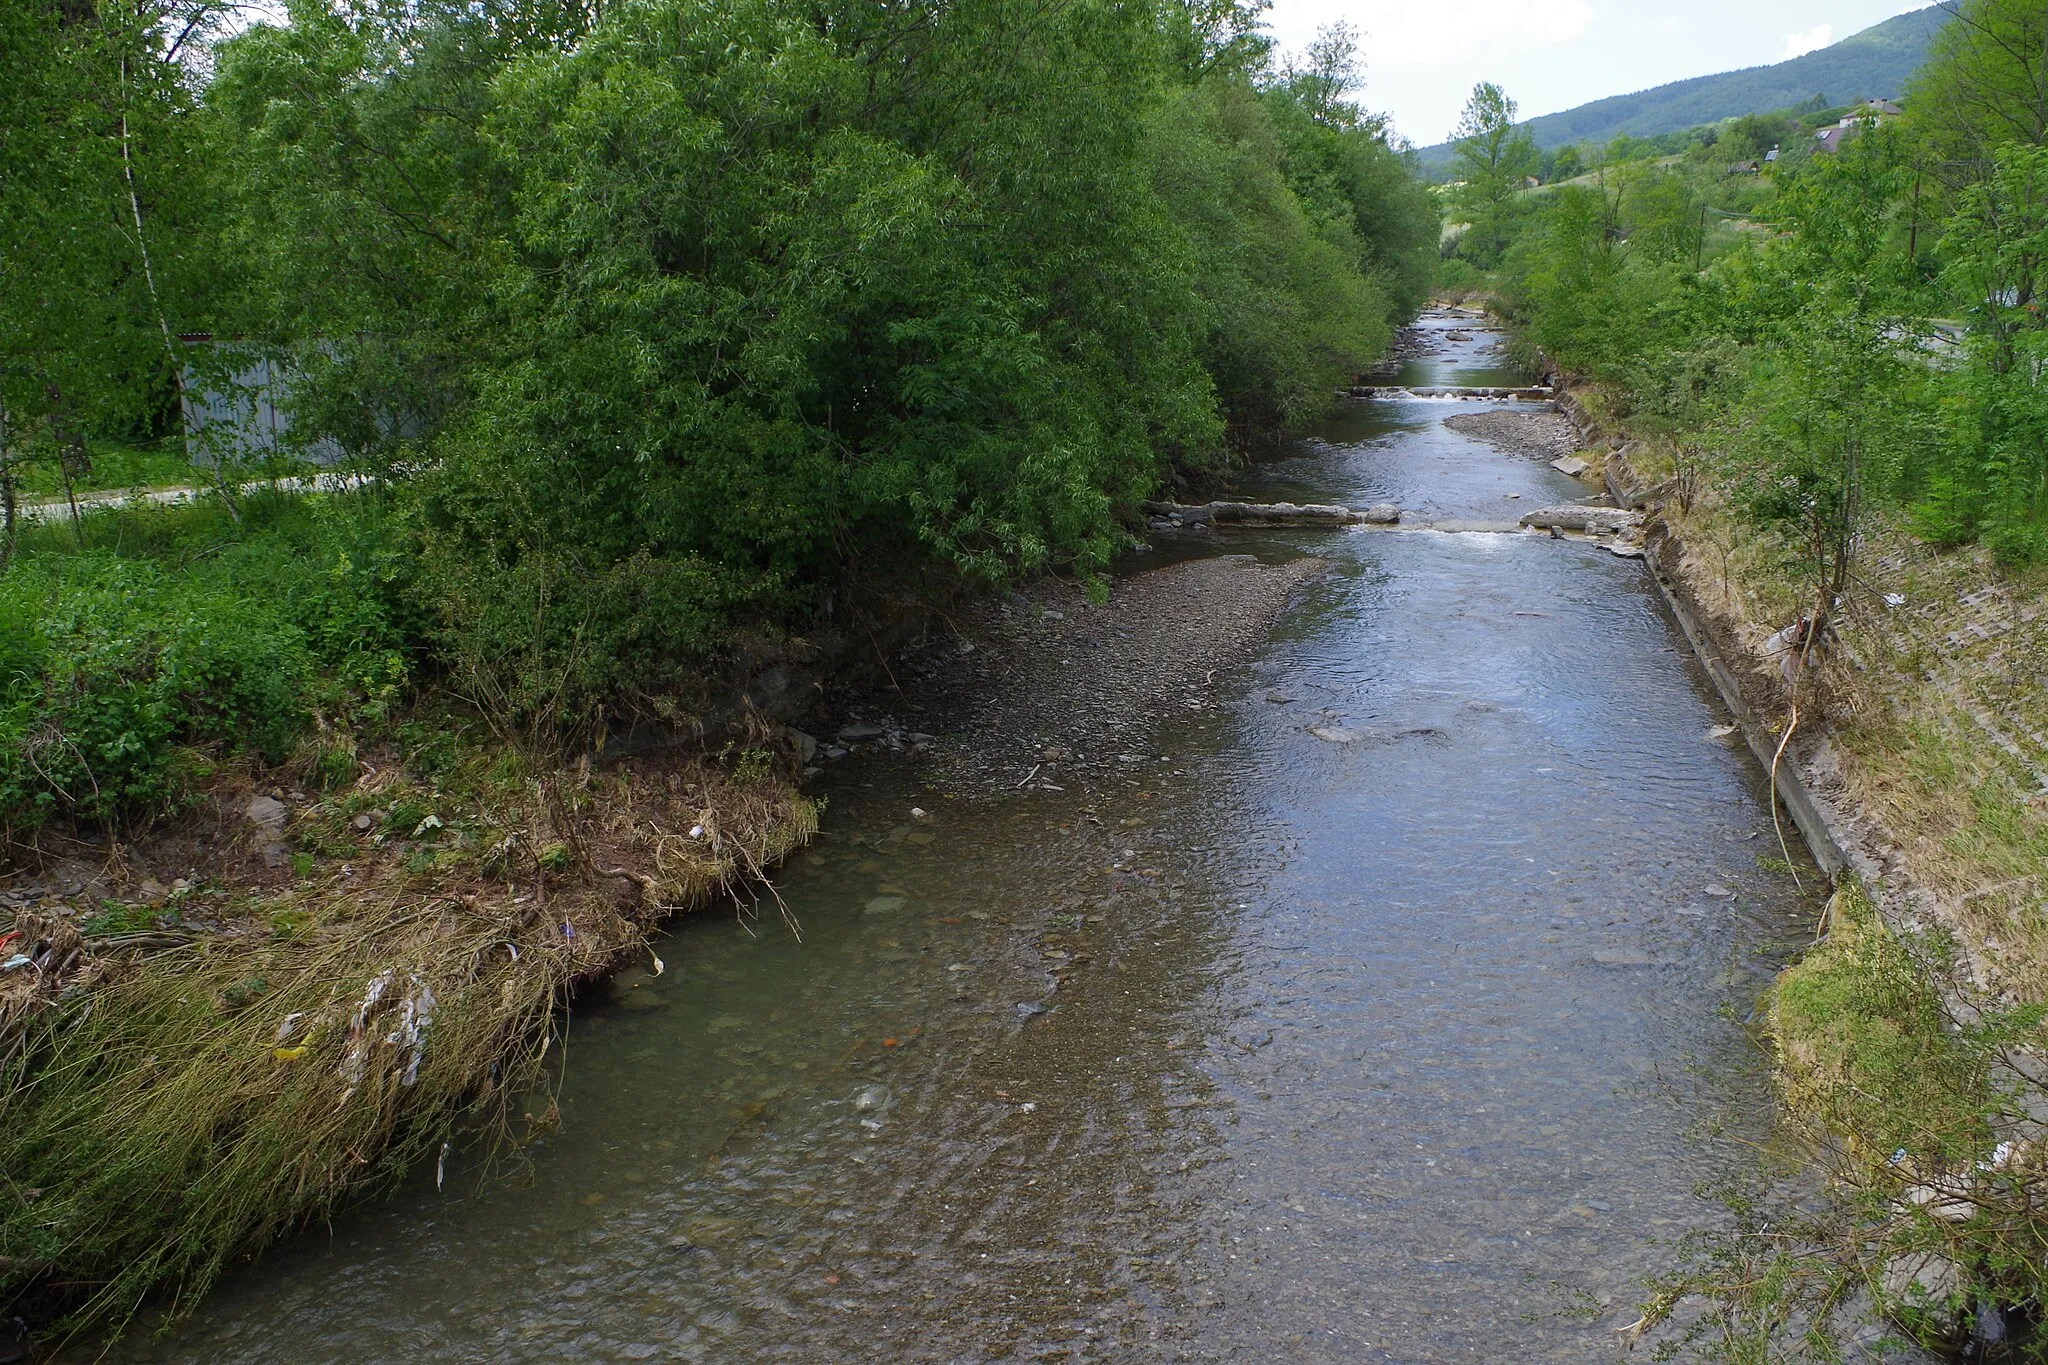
(1402, 33)
(1672, 25)
(1799, 44)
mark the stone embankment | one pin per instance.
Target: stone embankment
(1862, 835)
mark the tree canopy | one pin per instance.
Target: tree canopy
(669, 321)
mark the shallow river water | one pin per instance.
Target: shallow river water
(1407, 1048)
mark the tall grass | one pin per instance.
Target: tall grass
(163, 1113)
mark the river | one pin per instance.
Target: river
(1406, 1047)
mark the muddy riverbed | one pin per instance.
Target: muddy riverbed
(1383, 1004)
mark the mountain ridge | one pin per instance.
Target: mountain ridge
(1876, 62)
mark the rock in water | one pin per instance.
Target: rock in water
(1928, 1283)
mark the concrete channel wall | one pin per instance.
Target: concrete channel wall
(1823, 829)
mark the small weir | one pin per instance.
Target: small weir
(1535, 393)
(1388, 1012)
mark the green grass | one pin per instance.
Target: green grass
(115, 467)
(175, 637)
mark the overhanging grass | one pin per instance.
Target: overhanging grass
(163, 1113)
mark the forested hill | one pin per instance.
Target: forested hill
(1872, 64)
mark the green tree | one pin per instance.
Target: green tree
(1564, 163)
(713, 317)
(1990, 478)
(1984, 84)
(1326, 74)
(98, 187)
(1752, 136)
(1357, 185)
(1494, 161)
(1494, 157)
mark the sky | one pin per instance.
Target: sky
(1422, 59)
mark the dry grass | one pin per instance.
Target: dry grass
(164, 1111)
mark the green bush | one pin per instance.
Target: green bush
(1866, 1047)
(178, 637)
(114, 669)
(713, 325)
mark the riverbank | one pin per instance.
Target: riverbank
(318, 979)
(282, 1002)
(1910, 751)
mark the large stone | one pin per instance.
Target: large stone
(267, 811)
(1597, 521)
(1927, 1285)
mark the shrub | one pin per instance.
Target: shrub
(111, 669)
(123, 669)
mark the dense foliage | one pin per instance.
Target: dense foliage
(1853, 333)
(126, 669)
(676, 325)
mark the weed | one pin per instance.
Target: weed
(115, 917)
(181, 1109)
(405, 816)
(1908, 1110)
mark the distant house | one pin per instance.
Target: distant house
(1870, 111)
(1771, 157)
(1744, 168)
